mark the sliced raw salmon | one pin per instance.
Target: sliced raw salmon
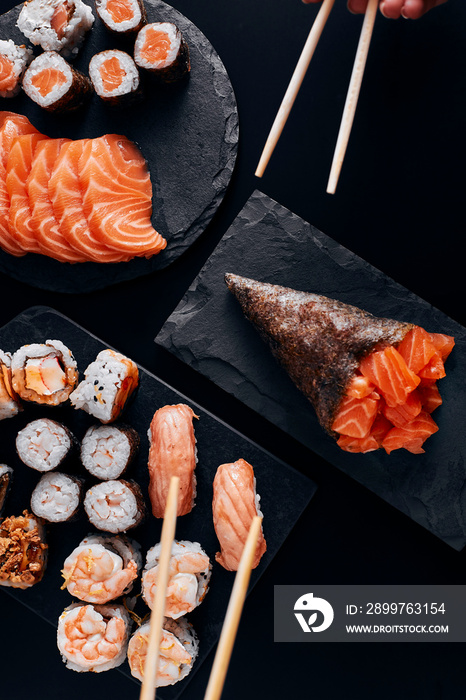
(388, 371)
(412, 436)
(404, 413)
(443, 343)
(359, 387)
(120, 10)
(380, 428)
(417, 349)
(355, 416)
(430, 397)
(434, 369)
(111, 74)
(60, 19)
(8, 77)
(363, 445)
(48, 78)
(157, 45)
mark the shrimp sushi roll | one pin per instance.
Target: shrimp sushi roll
(93, 637)
(9, 401)
(56, 498)
(44, 373)
(124, 17)
(234, 505)
(52, 83)
(115, 77)
(6, 477)
(44, 444)
(102, 568)
(189, 575)
(179, 647)
(108, 450)
(108, 383)
(172, 453)
(13, 62)
(23, 552)
(115, 506)
(161, 49)
(56, 25)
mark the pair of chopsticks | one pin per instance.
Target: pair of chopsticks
(351, 98)
(232, 617)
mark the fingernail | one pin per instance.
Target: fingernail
(403, 14)
(381, 8)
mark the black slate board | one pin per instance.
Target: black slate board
(209, 332)
(188, 133)
(284, 492)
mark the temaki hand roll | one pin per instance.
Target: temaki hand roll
(44, 373)
(161, 49)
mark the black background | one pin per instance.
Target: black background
(400, 205)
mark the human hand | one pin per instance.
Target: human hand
(393, 9)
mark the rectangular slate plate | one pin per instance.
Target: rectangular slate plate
(208, 331)
(284, 492)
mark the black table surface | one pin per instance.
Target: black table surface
(399, 205)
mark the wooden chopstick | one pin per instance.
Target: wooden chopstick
(294, 85)
(233, 614)
(157, 614)
(353, 94)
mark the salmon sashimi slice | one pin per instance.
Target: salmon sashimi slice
(356, 445)
(45, 80)
(430, 397)
(117, 196)
(412, 436)
(417, 349)
(388, 371)
(8, 77)
(380, 428)
(434, 370)
(234, 506)
(444, 344)
(61, 18)
(18, 167)
(111, 73)
(172, 453)
(404, 413)
(355, 416)
(359, 387)
(47, 231)
(120, 10)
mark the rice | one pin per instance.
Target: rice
(44, 444)
(56, 497)
(19, 57)
(37, 19)
(115, 506)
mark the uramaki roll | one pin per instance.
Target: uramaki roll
(45, 373)
(13, 62)
(24, 551)
(56, 25)
(52, 83)
(9, 401)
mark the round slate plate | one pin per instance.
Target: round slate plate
(188, 132)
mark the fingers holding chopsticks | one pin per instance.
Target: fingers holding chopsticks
(392, 9)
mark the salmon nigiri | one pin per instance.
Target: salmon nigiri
(234, 505)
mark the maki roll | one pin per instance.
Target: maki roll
(56, 25)
(189, 576)
(93, 637)
(23, 552)
(56, 497)
(6, 476)
(52, 83)
(115, 77)
(161, 49)
(108, 383)
(124, 17)
(108, 450)
(13, 62)
(115, 506)
(44, 373)
(179, 647)
(44, 444)
(9, 402)
(102, 568)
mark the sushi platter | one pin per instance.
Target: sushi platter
(187, 132)
(285, 250)
(284, 492)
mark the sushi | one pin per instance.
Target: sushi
(108, 383)
(56, 25)
(161, 49)
(13, 62)
(102, 568)
(123, 17)
(6, 477)
(108, 450)
(115, 77)
(93, 637)
(44, 444)
(178, 651)
(23, 551)
(234, 505)
(115, 506)
(9, 401)
(372, 381)
(172, 453)
(52, 83)
(189, 576)
(56, 498)
(45, 373)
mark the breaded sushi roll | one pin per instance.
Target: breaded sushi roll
(102, 568)
(108, 450)
(56, 25)
(161, 49)
(123, 17)
(93, 637)
(179, 647)
(115, 506)
(108, 383)
(44, 444)
(9, 402)
(6, 477)
(13, 62)
(52, 83)
(23, 552)
(115, 77)
(189, 576)
(56, 497)
(45, 373)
